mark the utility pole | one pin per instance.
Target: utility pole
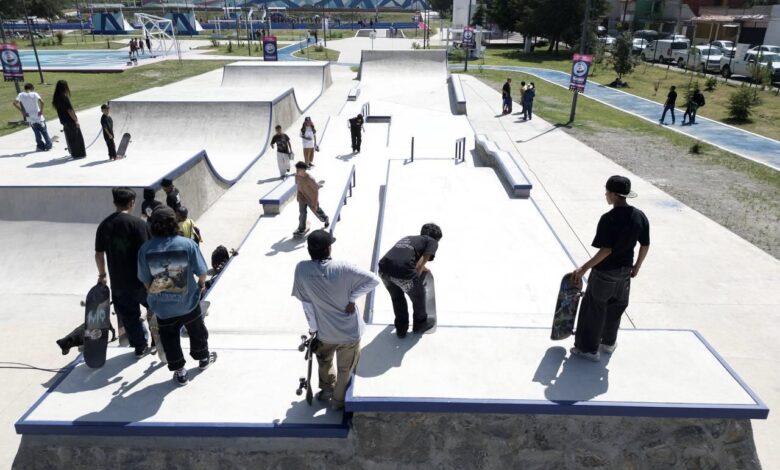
(468, 24)
(583, 40)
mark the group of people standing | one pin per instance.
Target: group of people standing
(692, 105)
(137, 46)
(527, 95)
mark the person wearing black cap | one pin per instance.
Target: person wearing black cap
(355, 128)
(174, 272)
(308, 198)
(150, 203)
(172, 198)
(118, 239)
(328, 290)
(613, 266)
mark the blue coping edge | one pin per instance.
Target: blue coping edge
(117, 428)
(573, 408)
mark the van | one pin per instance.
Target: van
(662, 49)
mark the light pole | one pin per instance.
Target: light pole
(468, 25)
(583, 40)
(28, 20)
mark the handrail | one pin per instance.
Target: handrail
(412, 152)
(368, 315)
(343, 201)
(460, 150)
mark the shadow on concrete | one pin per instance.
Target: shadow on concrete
(93, 379)
(347, 156)
(52, 162)
(301, 412)
(20, 154)
(286, 245)
(385, 352)
(96, 163)
(578, 379)
(554, 127)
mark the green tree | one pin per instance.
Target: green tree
(40, 8)
(442, 6)
(479, 16)
(622, 60)
(503, 13)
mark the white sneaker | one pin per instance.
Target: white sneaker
(592, 357)
(607, 349)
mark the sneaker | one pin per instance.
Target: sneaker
(429, 323)
(324, 395)
(592, 357)
(180, 377)
(63, 346)
(605, 348)
(401, 333)
(204, 364)
(327, 223)
(141, 352)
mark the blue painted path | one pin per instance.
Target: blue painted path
(743, 143)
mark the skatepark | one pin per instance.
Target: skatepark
(688, 385)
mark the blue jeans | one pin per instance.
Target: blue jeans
(669, 107)
(42, 140)
(528, 108)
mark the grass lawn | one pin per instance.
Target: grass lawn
(324, 54)
(646, 79)
(92, 89)
(553, 103)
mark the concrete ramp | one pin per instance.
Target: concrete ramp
(308, 79)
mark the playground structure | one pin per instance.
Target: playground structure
(160, 32)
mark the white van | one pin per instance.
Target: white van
(662, 49)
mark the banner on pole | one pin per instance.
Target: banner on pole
(12, 63)
(269, 48)
(469, 41)
(579, 72)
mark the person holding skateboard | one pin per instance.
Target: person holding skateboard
(355, 128)
(69, 120)
(30, 104)
(613, 266)
(328, 290)
(309, 139)
(308, 198)
(118, 239)
(107, 124)
(172, 198)
(402, 270)
(283, 151)
(174, 272)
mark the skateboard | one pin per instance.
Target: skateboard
(300, 235)
(154, 330)
(430, 299)
(120, 152)
(308, 344)
(97, 323)
(566, 308)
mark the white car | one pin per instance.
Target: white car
(728, 47)
(701, 58)
(762, 48)
(662, 50)
(638, 45)
(608, 41)
(744, 65)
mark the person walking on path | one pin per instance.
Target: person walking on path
(506, 97)
(355, 129)
(309, 138)
(117, 240)
(671, 98)
(149, 204)
(69, 120)
(172, 198)
(174, 272)
(328, 290)
(613, 266)
(522, 94)
(107, 124)
(308, 197)
(283, 151)
(30, 104)
(402, 270)
(695, 102)
(528, 101)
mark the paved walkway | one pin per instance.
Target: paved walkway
(743, 143)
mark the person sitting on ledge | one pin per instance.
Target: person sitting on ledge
(613, 266)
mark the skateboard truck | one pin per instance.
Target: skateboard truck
(301, 386)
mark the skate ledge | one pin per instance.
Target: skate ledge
(521, 371)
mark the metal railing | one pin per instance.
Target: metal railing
(411, 159)
(460, 150)
(366, 110)
(346, 194)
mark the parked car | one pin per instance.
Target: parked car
(608, 41)
(744, 65)
(677, 37)
(647, 34)
(701, 58)
(763, 48)
(661, 50)
(638, 45)
(728, 47)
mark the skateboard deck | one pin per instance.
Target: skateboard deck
(300, 235)
(97, 323)
(430, 299)
(154, 330)
(565, 308)
(120, 152)
(304, 383)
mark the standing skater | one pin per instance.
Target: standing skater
(506, 97)
(149, 44)
(522, 93)
(309, 138)
(328, 290)
(149, 204)
(671, 98)
(30, 104)
(174, 272)
(695, 102)
(141, 46)
(308, 198)
(118, 239)
(283, 151)
(402, 269)
(528, 101)
(613, 265)
(69, 120)
(173, 198)
(355, 128)
(108, 131)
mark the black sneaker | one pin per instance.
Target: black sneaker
(180, 377)
(429, 323)
(141, 352)
(204, 364)
(324, 395)
(327, 223)
(65, 349)
(401, 332)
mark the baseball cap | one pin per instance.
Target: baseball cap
(620, 185)
(320, 239)
(166, 182)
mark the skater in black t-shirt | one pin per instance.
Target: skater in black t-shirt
(172, 198)
(355, 128)
(117, 240)
(613, 265)
(283, 151)
(401, 270)
(70, 122)
(150, 203)
(107, 124)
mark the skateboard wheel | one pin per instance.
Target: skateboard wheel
(299, 392)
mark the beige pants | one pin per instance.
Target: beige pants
(347, 356)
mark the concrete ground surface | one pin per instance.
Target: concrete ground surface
(698, 275)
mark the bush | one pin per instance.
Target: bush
(456, 55)
(60, 37)
(695, 148)
(741, 104)
(214, 42)
(711, 83)
(230, 46)
(319, 48)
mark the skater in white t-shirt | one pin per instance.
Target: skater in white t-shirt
(30, 104)
(309, 138)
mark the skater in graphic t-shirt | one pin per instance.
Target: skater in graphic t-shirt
(283, 151)
(308, 198)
